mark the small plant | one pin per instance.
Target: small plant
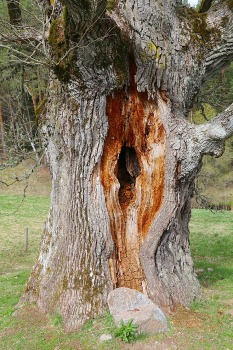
(109, 322)
(127, 332)
(57, 319)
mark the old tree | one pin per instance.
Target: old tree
(124, 74)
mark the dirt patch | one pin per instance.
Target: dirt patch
(39, 180)
(228, 303)
(183, 317)
(73, 344)
(166, 344)
(26, 317)
(29, 315)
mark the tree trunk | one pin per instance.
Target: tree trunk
(2, 133)
(123, 158)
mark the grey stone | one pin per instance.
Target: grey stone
(210, 269)
(125, 304)
(199, 271)
(105, 337)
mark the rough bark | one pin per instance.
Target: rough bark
(2, 133)
(123, 157)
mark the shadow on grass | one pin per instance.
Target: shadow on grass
(219, 275)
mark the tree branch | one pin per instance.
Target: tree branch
(221, 127)
(212, 135)
(220, 21)
(22, 36)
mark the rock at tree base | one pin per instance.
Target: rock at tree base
(125, 304)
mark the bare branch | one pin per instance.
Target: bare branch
(220, 22)
(13, 34)
(28, 58)
(212, 135)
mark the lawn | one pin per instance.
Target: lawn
(206, 325)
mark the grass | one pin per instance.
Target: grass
(212, 247)
(30, 330)
(205, 326)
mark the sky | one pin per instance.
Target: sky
(193, 2)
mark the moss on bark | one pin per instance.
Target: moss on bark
(41, 109)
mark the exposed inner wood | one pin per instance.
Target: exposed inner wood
(132, 171)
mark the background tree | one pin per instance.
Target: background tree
(22, 81)
(123, 155)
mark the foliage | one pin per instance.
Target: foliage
(23, 81)
(56, 319)
(127, 331)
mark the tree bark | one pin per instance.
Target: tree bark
(2, 133)
(123, 157)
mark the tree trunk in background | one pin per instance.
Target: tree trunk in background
(2, 133)
(123, 157)
(14, 12)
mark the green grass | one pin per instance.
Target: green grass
(32, 331)
(15, 217)
(212, 247)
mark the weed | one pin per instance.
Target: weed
(128, 331)
(56, 319)
(109, 322)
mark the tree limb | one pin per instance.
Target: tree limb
(205, 5)
(221, 127)
(220, 21)
(212, 135)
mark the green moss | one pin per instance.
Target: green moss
(58, 39)
(65, 282)
(201, 34)
(66, 20)
(58, 44)
(62, 72)
(224, 21)
(111, 4)
(40, 108)
(230, 4)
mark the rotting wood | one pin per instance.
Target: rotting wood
(136, 130)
